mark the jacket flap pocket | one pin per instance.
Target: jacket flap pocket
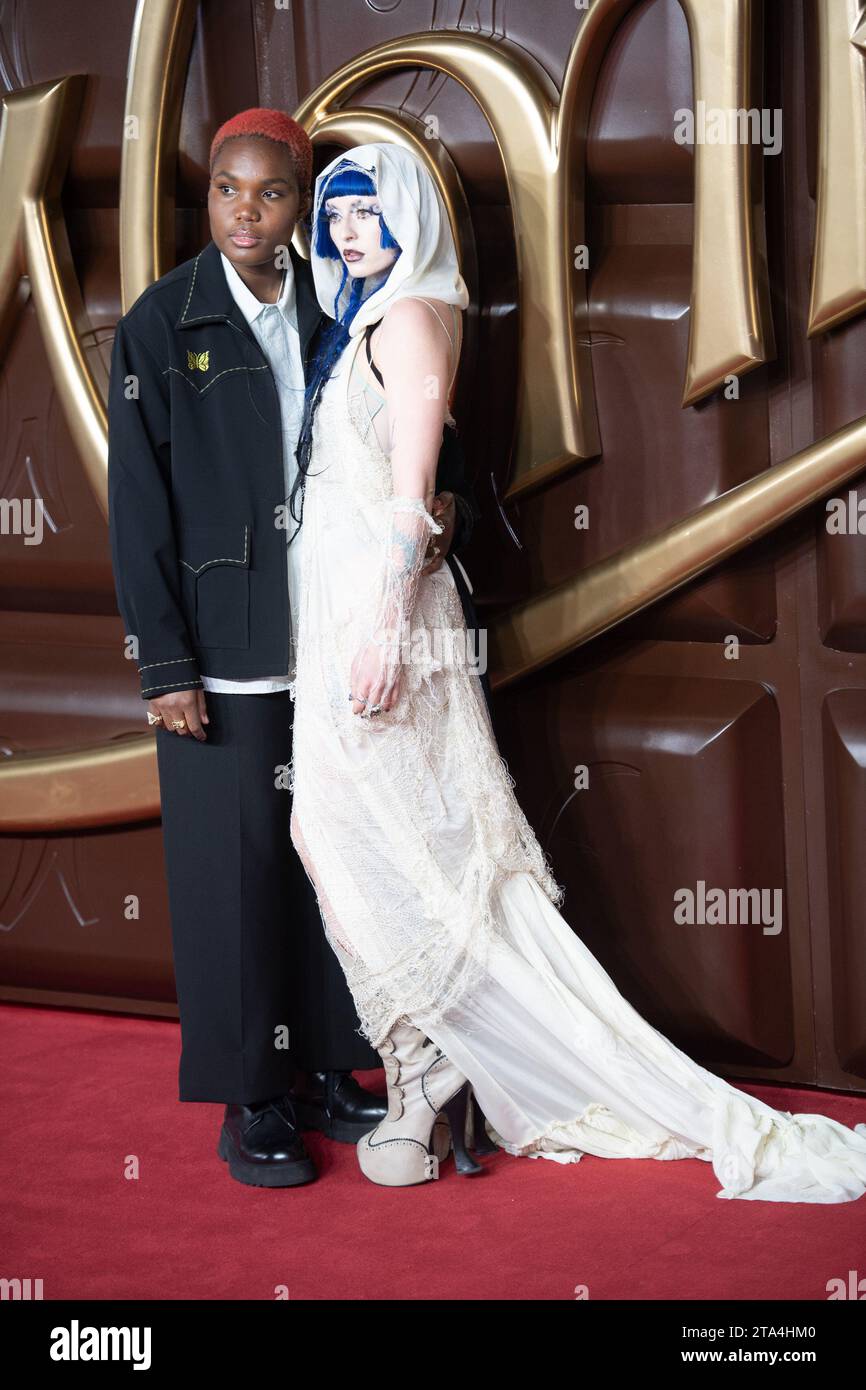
(201, 547)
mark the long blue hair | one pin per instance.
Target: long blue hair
(346, 179)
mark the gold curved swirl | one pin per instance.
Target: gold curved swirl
(538, 631)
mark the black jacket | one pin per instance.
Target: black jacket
(195, 473)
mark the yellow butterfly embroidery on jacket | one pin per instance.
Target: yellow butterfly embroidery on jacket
(198, 360)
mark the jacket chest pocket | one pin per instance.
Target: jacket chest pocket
(208, 378)
(215, 569)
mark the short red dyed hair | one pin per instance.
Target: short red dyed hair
(272, 125)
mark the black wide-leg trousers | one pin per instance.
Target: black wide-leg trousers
(253, 967)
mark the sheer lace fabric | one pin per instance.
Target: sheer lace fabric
(405, 821)
(403, 558)
(436, 895)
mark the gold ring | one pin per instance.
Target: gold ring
(178, 723)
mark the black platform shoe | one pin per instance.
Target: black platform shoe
(263, 1145)
(335, 1103)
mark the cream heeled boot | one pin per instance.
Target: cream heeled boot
(427, 1109)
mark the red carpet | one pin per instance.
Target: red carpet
(87, 1095)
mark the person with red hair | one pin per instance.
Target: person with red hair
(207, 391)
(269, 124)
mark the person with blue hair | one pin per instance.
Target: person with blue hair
(495, 1024)
(348, 181)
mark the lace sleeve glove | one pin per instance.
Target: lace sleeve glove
(404, 557)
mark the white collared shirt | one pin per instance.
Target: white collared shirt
(276, 330)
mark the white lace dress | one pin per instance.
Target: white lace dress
(435, 893)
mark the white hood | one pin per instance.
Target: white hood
(415, 215)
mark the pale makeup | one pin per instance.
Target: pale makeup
(354, 225)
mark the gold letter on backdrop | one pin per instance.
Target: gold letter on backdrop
(36, 139)
(542, 137)
(838, 289)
